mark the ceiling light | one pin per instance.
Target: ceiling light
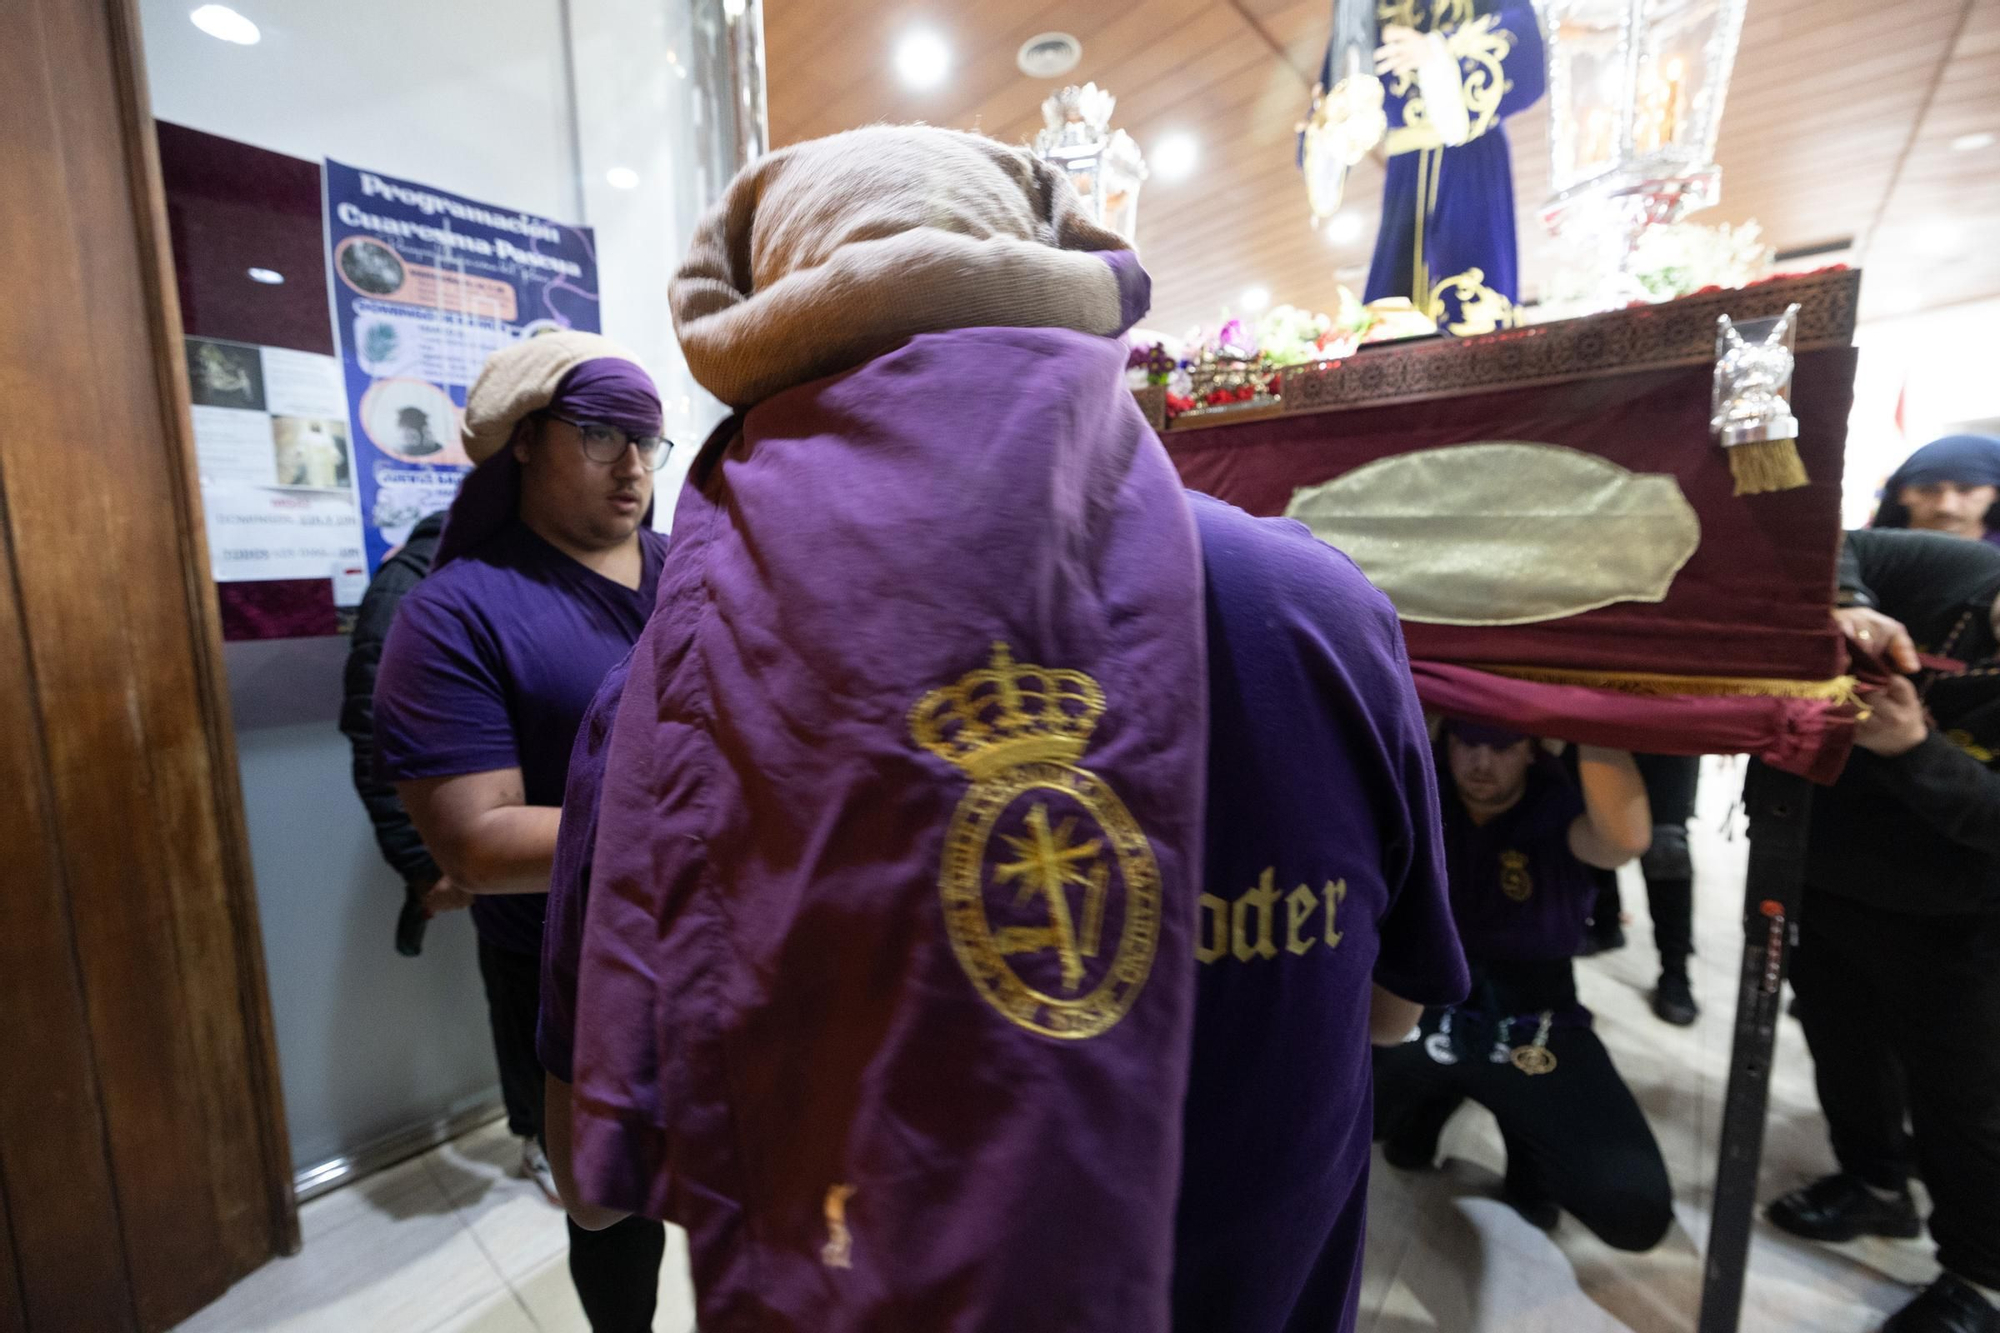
(270, 277)
(1255, 299)
(1174, 157)
(1345, 228)
(733, 9)
(1049, 55)
(923, 59)
(225, 24)
(1972, 143)
(622, 178)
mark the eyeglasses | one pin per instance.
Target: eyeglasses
(607, 444)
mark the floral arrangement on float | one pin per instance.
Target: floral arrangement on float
(1241, 366)
(1667, 260)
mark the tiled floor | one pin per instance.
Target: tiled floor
(451, 1243)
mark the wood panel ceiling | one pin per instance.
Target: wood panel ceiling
(1839, 127)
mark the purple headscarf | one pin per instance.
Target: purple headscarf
(612, 390)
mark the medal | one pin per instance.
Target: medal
(1536, 1057)
(1533, 1059)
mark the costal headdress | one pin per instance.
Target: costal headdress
(824, 255)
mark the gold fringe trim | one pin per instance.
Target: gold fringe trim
(1839, 690)
(1771, 465)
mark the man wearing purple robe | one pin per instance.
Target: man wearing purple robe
(885, 979)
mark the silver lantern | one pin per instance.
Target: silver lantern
(1104, 164)
(1635, 99)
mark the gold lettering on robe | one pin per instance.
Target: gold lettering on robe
(1514, 880)
(1259, 901)
(1299, 905)
(1211, 939)
(1246, 927)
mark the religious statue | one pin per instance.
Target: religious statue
(1451, 72)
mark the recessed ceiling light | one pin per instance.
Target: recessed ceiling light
(1174, 157)
(1256, 299)
(270, 277)
(1972, 143)
(1049, 55)
(1345, 228)
(923, 59)
(622, 178)
(225, 24)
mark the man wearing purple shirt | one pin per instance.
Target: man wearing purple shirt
(543, 580)
(1325, 924)
(1521, 838)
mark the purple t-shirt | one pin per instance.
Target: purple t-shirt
(569, 878)
(1518, 893)
(490, 664)
(1324, 871)
(1521, 898)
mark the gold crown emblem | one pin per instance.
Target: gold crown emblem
(1006, 714)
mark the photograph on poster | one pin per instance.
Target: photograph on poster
(310, 451)
(223, 374)
(413, 420)
(371, 266)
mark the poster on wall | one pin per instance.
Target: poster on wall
(276, 465)
(425, 284)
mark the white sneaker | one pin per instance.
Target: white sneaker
(535, 1167)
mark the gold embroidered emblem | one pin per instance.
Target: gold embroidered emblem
(1514, 881)
(1480, 308)
(838, 1252)
(1044, 869)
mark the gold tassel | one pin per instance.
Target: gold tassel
(1769, 465)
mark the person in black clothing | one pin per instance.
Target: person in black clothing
(1668, 866)
(1898, 967)
(1522, 833)
(427, 891)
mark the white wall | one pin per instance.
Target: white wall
(1942, 364)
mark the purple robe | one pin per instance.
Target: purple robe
(887, 969)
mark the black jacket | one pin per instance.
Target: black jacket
(1920, 833)
(401, 847)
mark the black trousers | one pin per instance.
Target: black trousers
(1574, 1134)
(1903, 1017)
(1672, 782)
(616, 1270)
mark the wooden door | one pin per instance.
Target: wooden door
(143, 1164)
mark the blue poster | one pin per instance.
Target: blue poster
(425, 286)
